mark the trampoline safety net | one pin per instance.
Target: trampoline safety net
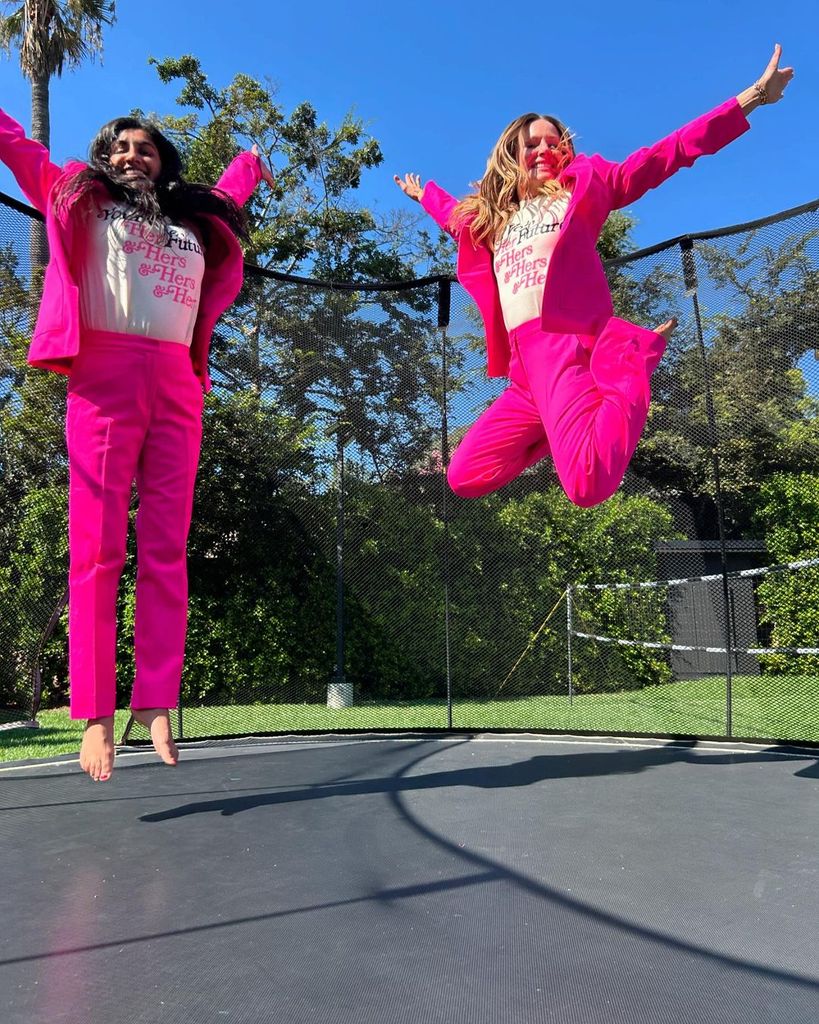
(335, 581)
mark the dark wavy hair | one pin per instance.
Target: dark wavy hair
(169, 196)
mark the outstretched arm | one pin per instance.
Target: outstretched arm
(28, 161)
(651, 166)
(243, 174)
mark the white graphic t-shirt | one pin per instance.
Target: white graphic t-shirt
(135, 280)
(522, 256)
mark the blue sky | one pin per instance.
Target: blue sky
(436, 83)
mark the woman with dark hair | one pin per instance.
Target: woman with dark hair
(166, 195)
(579, 377)
(141, 265)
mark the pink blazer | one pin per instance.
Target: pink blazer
(56, 338)
(576, 297)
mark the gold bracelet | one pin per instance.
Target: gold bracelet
(761, 95)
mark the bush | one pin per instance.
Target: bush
(788, 517)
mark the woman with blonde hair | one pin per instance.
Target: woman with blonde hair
(579, 376)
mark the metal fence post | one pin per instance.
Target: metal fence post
(569, 628)
(444, 303)
(691, 285)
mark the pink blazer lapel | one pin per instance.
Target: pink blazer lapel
(576, 177)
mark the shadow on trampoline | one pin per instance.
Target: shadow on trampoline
(458, 878)
(540, 768)
(482, 869)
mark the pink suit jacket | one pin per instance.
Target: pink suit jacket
(56, 338)
(576, 297)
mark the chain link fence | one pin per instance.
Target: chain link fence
(336, 583)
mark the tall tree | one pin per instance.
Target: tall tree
(363, 365)
(50, 37)
(759, 318)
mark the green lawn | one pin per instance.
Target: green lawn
(764, 707)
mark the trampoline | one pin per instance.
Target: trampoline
(415, 879)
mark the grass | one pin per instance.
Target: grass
(764, 707)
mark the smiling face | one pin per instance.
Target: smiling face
(134, 154)
(541, 153)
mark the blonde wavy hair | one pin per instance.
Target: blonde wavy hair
(487, 211)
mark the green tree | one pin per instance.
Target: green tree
(364, 365)
(261, 588)
(32, 489)
(787, 515)
(760, 318)
(51, 36)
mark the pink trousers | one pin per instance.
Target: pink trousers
(134, 414)
(583, 399)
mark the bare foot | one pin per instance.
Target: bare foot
(667, 329)
(157, 721)
(97, 750)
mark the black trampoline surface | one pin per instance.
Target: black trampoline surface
(456, 879)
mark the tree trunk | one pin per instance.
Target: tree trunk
(40, 115)
(41, 132)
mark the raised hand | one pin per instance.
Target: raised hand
(267, 174)
(410, 185)
(667, 329)
(774, 80)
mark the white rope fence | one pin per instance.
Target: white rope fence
(706, 650)
(653, 584)
(737, 574)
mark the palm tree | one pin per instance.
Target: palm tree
(51, 35)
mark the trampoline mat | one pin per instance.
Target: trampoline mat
(417, 879)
